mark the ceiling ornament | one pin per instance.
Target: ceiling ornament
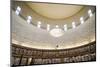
(56, 32)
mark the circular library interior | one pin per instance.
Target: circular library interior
(52, 33)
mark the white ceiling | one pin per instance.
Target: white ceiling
(55, 11)
(30, 36)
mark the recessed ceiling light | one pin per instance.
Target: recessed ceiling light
(18, 9)
(57, 26)
(90, 13)
(38, 24)
(65, 27)
(73, 24)
(29, 19)
(81, 20)
(48, 27)
(17, 12)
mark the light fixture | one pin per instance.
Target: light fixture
(65, 27)
(48, 27)
(57, 26)
(56, 32)
(18, 9)
(39, 24)
(81, 20)
(90, 13)
(29, 19)
(73, 24)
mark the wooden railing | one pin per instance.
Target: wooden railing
(28, 56)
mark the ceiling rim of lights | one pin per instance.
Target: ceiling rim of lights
(60, 28)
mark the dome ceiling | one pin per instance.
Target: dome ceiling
(30, 36)
(55, 11)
